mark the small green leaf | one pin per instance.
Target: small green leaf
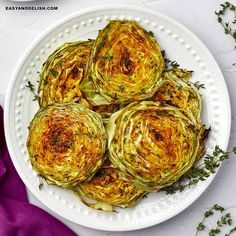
(122, 88)
(218, 208)
(143, 91)
(151, 33)
(169, 92)
(201, 226)
(40, 186)
(234, 150)
(102, 174)
(208, 213)
(145, 195)
(231, 231)
(53, 72)
(107, 57)
(125, 118)
(30, 86)
(121, 191)
(88, 173)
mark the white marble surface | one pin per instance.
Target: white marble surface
(19, 28)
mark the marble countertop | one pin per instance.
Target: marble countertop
(19, 28)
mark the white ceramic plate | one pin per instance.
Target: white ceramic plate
(180, 45)
(22, 0)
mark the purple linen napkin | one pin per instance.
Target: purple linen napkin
(17, 216)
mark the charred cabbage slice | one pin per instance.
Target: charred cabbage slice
(179, 73)
(125, 64)
(62, 73)
(176, 91)
(105, 111)
(153, 145)
(107, 189)
(66, 143)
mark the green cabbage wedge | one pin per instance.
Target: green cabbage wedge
(66, 143)
(176, 91)
(107, 189)
(125, 65)
(62, 73)
(153, 145)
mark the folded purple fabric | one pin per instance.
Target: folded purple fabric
(17, 216)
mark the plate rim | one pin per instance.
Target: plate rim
(28, 51)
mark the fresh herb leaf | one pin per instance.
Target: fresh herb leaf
(168, 63)
(200, 227)
(145, 195)
(122, 88)
(150, 33)
(45, 81)
(222, 15)
(72, 144)
(54, 72)
(88, 173)
(121, 191)
(102, 174)
(40, 182)
(231, 231)
(169, 92)
(143, 91)
(174, 64)
(40, 186)
(107, 57)
(31, 88)
(125, 118)
(201, 171)
(197, 85)
(224, 220)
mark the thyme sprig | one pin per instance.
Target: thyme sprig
(201, 226)
(168, 63)
(231, 231)
(201, 171)
(224, 220)
(197, 85)
(227, 7)
(40, 183)
(31, 88)
(40, 186)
